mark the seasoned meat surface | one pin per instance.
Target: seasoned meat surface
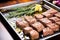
(38, 16)
(55, 19)
(30, 19)
(58, 22)
(47, 14)
(45, 21)
(27, 30)
(21, 23)
(52, 11)
(57, 14)
(38, 26)
(54, 27)
(34, 34)
(47, 31)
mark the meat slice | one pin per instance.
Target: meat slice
(53, 26)
(30, 19)
(26, 30)
(38, 16)
(58, 22)
(47, 14)
(54, 19)
(38, 26)
(21, 23)
(47, 31)
(45, 21)
(52, 11)
(57, 14)
(34, 34)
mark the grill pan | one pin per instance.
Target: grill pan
(10, 28)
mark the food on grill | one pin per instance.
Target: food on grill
(33, 26)
(30, 19)
(47, 31)
(21, 23)
(53, 26)
(27, 30)
(28, 10)
(47, 14)
(57, 14)
(38, 16)
(33, 22)
(34, 34)
(21, 11)
(58, 22)
(52, 11)
(54, 19)
(45, 21)
(38, 26)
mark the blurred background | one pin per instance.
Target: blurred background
(11, 2)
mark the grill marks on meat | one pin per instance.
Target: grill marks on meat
(34, 34)
(52, 11)
(49, 24)
(26, 30)
(32, 27)
(49, 13)
(22, 23)
(53, 26)
(57, 14)
(30, 19)
(45, 21)
(47, 31)
(38, 26)
(58, 22)
(38, 16)
(55, 19)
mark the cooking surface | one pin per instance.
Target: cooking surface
(58, 37)
(30, 17)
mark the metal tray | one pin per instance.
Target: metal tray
(51, 5)
(10, 28)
